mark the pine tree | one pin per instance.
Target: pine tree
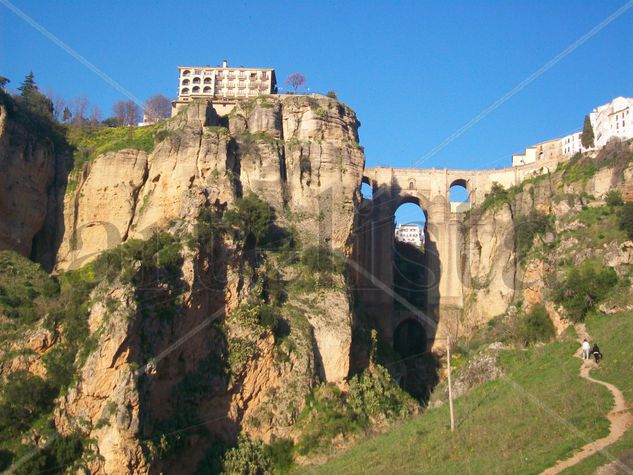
(28, 86)
(587, 138)
(33, 100)
(4, 81)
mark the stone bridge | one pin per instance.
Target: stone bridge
(430, 189)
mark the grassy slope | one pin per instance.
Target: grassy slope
(613, 334)
(499, 428)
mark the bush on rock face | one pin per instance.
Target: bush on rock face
(626, 219)
(584, 287)
(251, 220)
(536, 326)
(249, 457)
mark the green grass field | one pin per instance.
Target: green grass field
(518, 424)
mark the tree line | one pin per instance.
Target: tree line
(79, 112)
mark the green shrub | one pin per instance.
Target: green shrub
(250, 220)
(60, 455)
(90, 142)
(321, 259)
(24, 398)
(59, 363)
(526, 228)
(280, 452)
(256, 312)
(326, 416)
(579, 168)
(584, 287)
(498, 195)
(240, 352)
(626, 219)
(329, 412)
(374, 394)
(614, 198)
(22, 284)
(536, 326)
(249, 457)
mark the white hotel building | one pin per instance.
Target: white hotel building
(222, 86)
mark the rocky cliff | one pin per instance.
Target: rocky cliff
(299, 154)
(170, 343)
(33, 162)
(514, 242)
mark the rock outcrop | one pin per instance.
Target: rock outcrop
(494, 278)
(31, 163)
(300, 154)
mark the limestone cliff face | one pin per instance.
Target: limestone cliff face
(301, 155)
(489, 267)
(494, 279)
(30, 162)
(298, 153)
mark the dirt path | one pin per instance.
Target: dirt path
(620, 418)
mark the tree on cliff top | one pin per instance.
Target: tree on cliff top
(127, 112)
(4, 81)
(157, 107)
(33, 99)
(587, 138)
(28, 86)
(295, 80)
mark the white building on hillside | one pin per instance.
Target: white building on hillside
(550, 149)
(572, 144)
(612, 120)
(410, 233)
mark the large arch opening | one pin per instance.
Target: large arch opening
(409, 257)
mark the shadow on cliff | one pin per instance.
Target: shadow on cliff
(185, 401)
(396, 291)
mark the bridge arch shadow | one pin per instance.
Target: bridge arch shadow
(419, 369)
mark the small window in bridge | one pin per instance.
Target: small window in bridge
(459, 201)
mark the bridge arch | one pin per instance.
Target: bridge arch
(417, 199)
(410, 338)
(459, 191)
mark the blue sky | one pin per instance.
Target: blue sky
(414, 72)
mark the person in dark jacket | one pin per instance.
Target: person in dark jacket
(595, 351)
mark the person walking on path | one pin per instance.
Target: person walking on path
(596, 352)
(586, 347)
